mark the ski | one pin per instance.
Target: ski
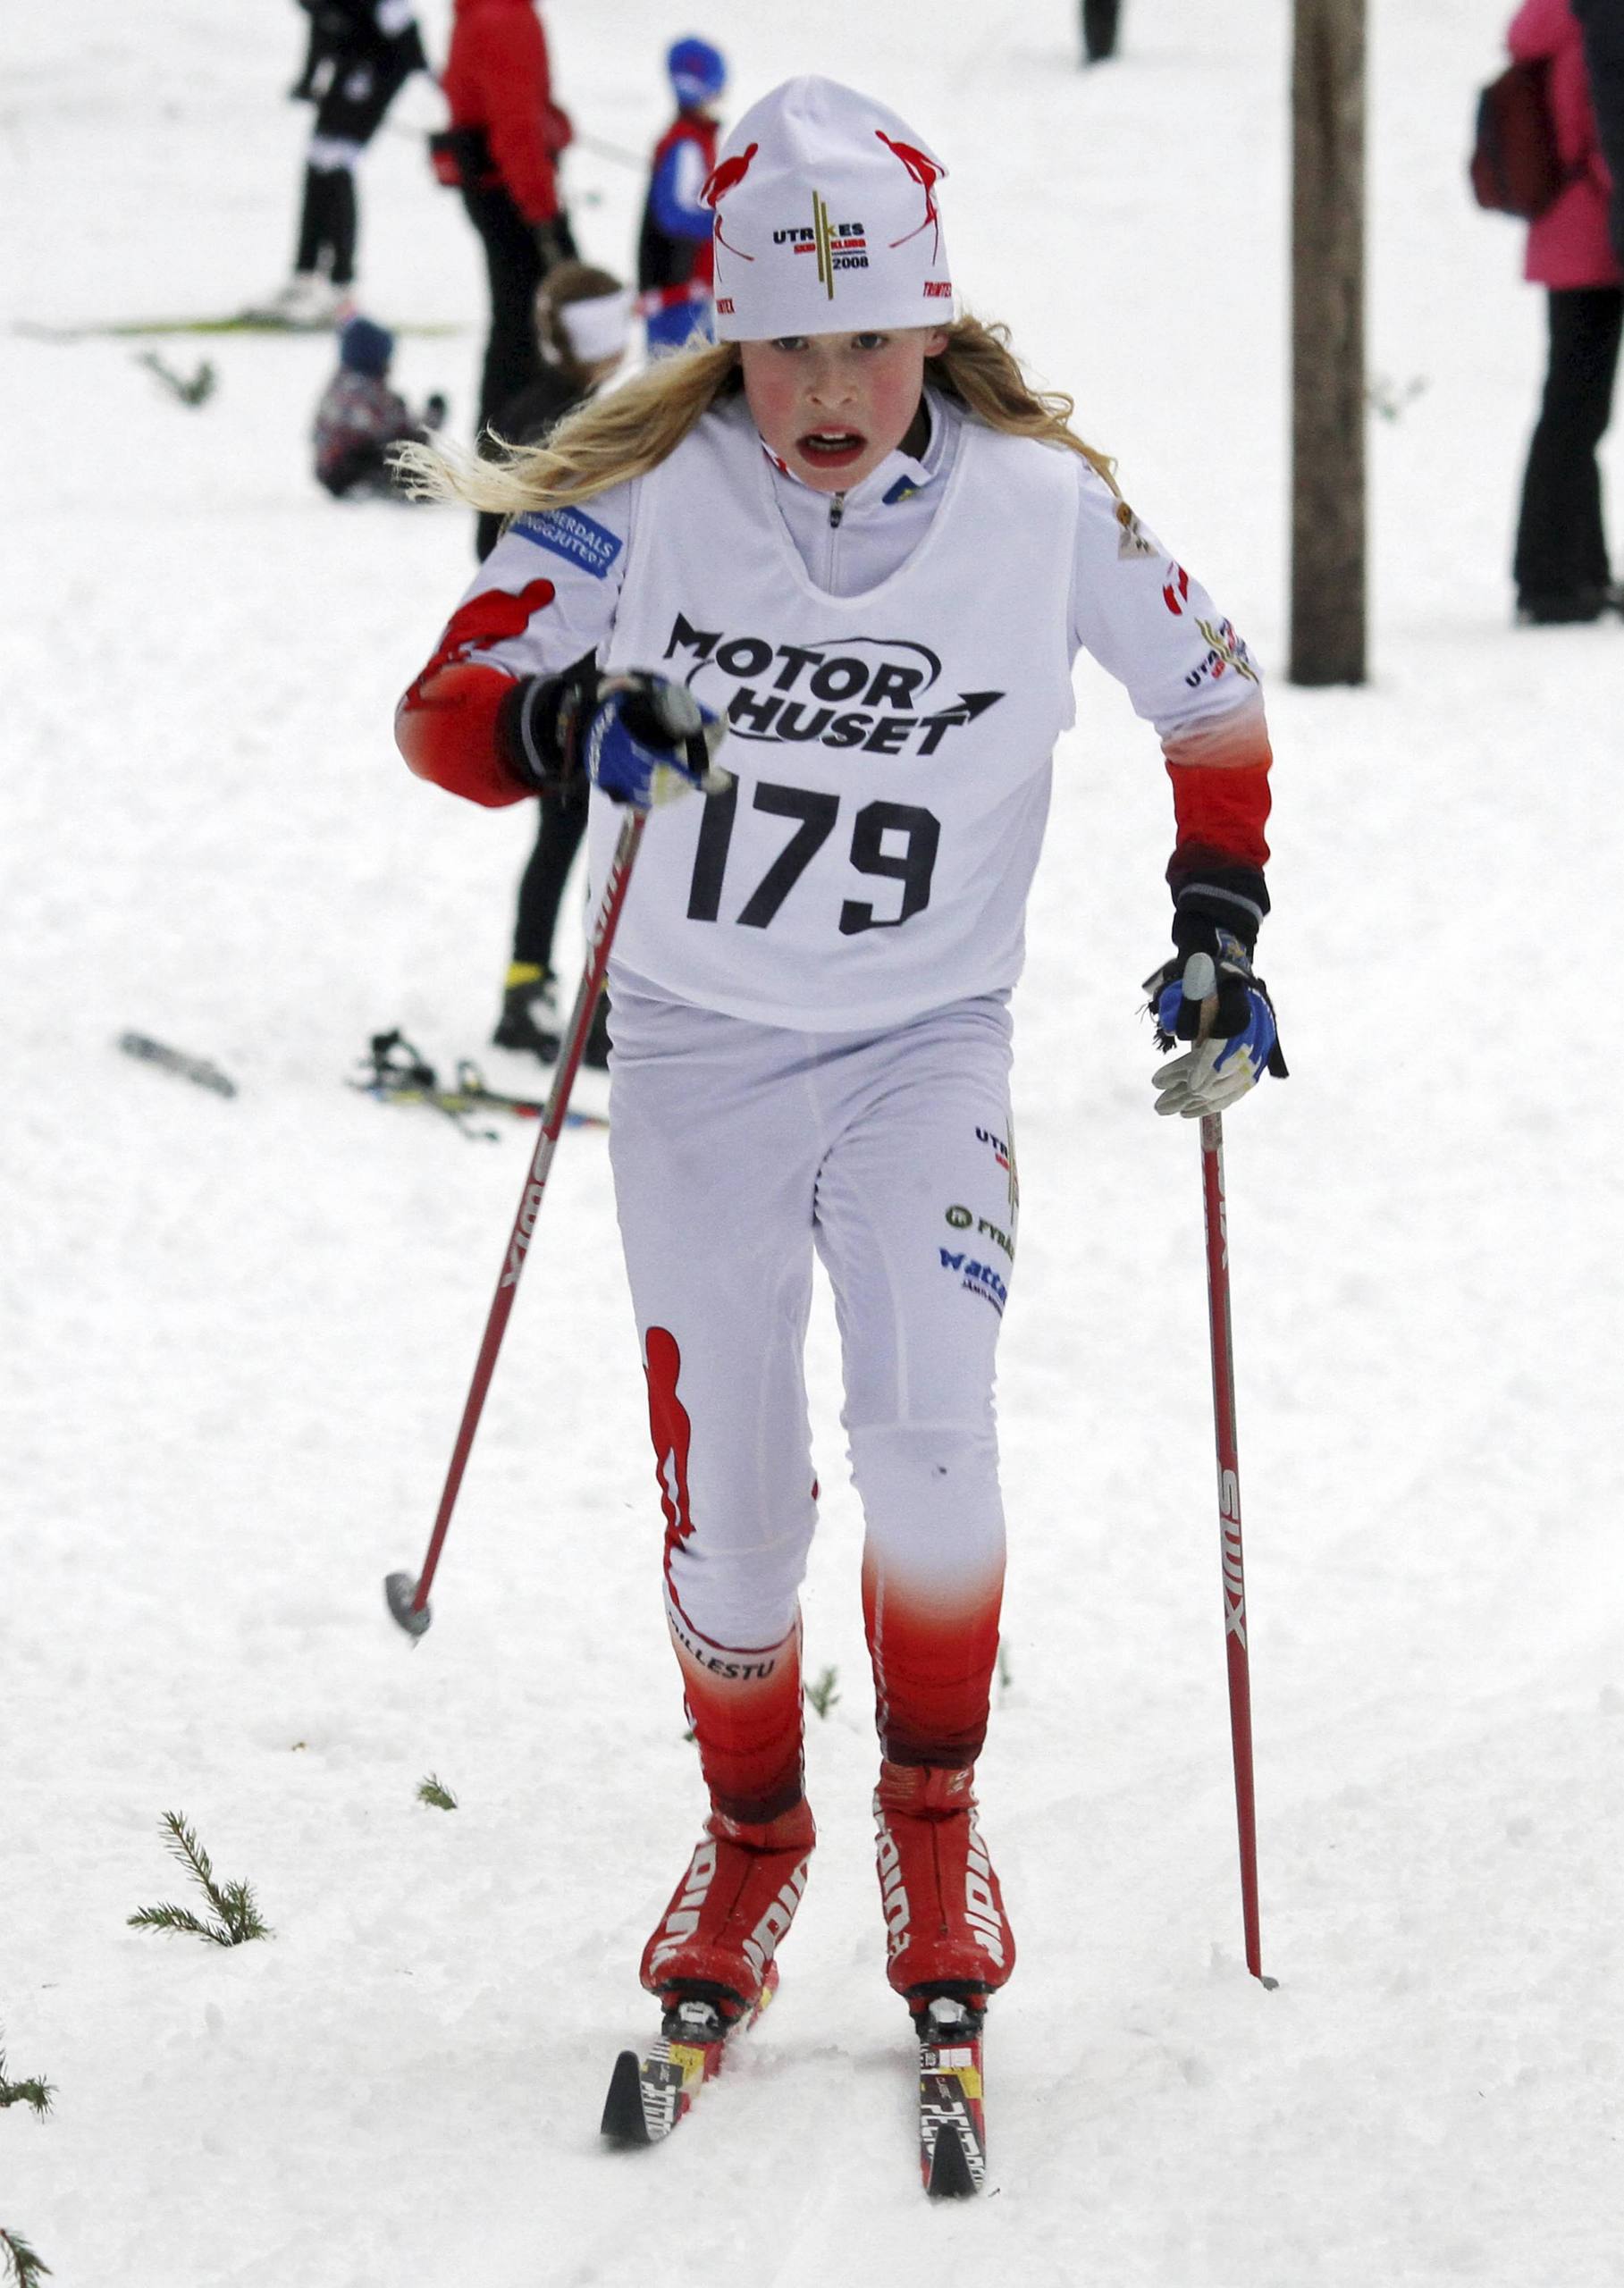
(198, 1069)
(649, 2096)
(394, 1073)
(236, 322)
(952, 2111)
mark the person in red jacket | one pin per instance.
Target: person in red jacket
(1561, 564)
(507, 135)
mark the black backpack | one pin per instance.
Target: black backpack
(1515, 168)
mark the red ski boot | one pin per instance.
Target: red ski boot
(731, 1910)
(944, 1913)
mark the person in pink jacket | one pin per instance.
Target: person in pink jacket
(1561, 564)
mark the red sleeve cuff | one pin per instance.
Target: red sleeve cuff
(446, 729)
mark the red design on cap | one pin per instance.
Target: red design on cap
(925, 172)
(727, 177)
(720, 180)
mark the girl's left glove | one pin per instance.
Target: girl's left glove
(1212, 1000)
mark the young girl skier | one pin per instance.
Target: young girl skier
(852, 532)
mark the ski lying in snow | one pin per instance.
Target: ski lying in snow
(237, 322)
(952, 2114)
(393, 1074)
(648, 2096)
(198, 1069)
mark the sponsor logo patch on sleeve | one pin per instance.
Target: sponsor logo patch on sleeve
(1132, 541)
(568, 532)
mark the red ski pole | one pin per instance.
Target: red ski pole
(1229, 1527)
(1198, 985)
(408, 1600)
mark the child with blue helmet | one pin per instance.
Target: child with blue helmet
(674, 256)
(360, 419)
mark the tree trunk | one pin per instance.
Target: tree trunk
(1099, 28)
(1329, 342)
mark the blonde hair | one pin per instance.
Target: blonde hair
(612, 439)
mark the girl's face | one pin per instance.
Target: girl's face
(831, 405)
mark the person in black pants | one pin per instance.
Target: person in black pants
(361, 54)
(1560, 566)
(580, 332)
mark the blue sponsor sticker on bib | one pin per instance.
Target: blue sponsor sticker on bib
(567, 532)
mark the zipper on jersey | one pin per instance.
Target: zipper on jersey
(836, 510)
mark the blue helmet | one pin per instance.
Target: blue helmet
(698, 73)
(366, 347)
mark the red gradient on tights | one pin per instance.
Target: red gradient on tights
(934, 1651)
(747, 1726)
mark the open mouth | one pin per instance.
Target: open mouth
(831, 447)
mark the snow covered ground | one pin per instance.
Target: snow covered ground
(238, 1334)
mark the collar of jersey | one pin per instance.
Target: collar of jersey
(898, 475)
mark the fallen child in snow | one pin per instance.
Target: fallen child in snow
(360, 417)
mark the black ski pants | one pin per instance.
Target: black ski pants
(1561, 548)
(540, 891)
(1099, 21)
(351, 111)
(516, 268)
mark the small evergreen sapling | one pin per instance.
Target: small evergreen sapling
(237, 1918)
(433, 1791)
(823, 1695)
(21, 2262)
(34, 2092)
(193, 390)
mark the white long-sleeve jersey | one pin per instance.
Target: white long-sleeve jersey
(894, 667)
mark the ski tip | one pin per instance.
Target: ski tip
(624, 2123)
(400, 1590)
(950, 2173)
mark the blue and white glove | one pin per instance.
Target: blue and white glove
(1213, 1001)
(645, 736)
(638, 736)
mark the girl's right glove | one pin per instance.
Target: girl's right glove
(636, 735)
(643, 727)
(1212, 1000)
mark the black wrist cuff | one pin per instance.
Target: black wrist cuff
(1213, 898)
(540, 724)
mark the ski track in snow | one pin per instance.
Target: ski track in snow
(240, 1334)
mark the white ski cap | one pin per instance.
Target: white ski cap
(599, 326)
(826, 218)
